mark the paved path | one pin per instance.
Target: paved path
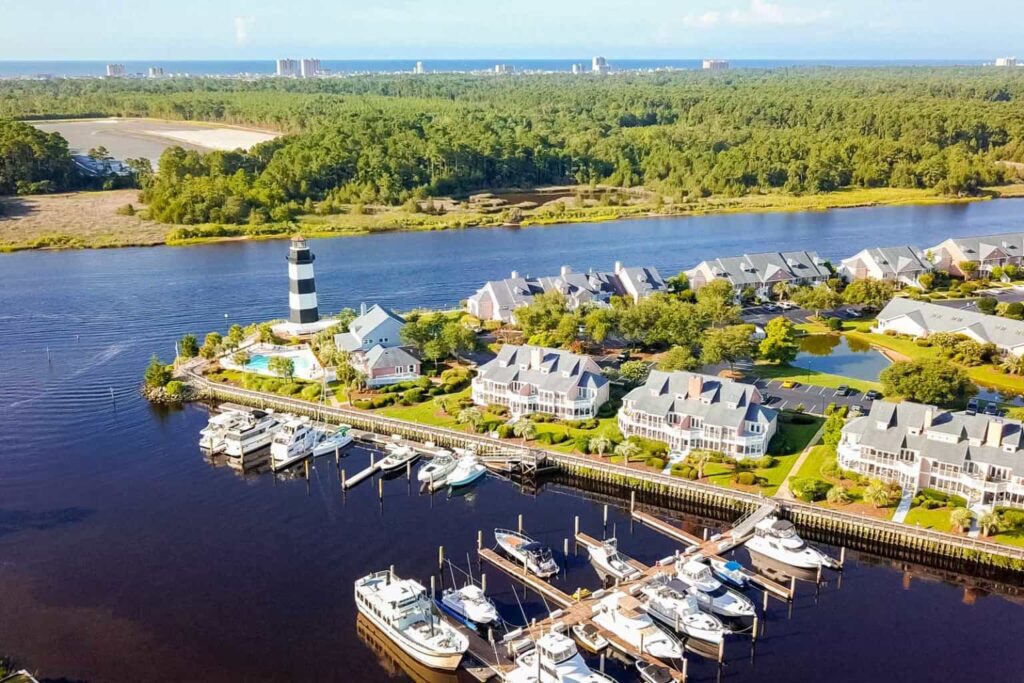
(784, 493)
(904, 507)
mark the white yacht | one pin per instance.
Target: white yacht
(777, 539)
(624, 616)
(295, 440)
(467, 470)
(252, 434)
(668, 602)
(211, 437)
(438, 468)
(398, 458)
(608, 558)
(535, 557)
(589, 637)
(469, 605)
(554, 659)
(711, 595)
(402, 609)
(334, 441)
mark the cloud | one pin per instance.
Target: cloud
(759, 13)
(242, 26)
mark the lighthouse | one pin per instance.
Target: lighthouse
(302, 307)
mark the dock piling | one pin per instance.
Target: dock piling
(764, 605)
(565, 546)
(343, 487)
(483, 582)
(479, 539)
(337, 456)
(440, 557)
(842, 556)
(433, 590)
(606, 516)
(632, 501)
(520, 522)
(380, 489)
(600, 666)
(408, 471)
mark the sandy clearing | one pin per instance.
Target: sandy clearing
(215, 138)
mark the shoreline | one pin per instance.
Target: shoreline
(751, 204)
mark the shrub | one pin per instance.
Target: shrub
(174, 389)
(497, 409)
(542, 417)
(310, 392)
(559, 437)
(411, 396)
(582, 443)
(834, 324)
(607, 410)
(838, 495)
(656, 463)
(544, 438)
(810, 490)
(746, 478)
(764, 462)
(435, 391)
(363, 404)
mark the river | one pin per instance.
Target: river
(126, 556)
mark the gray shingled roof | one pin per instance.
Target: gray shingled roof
(900, 418)
(755, 269)
(722, 402)
(363, 325)
(515, 292)
(559, 371)
(979, 248)
(389, 357)
(893, 261)
(1000, 331)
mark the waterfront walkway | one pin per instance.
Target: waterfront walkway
(783, 493)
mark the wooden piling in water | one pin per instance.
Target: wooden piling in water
(440, 557)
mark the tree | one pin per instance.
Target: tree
(679, 283)
(1011, 271)
(471, 416)
(211, 345)
(869, 292)
(817, 298)
(678, 358)
(627, 450)
(699, 458)
(716, 300)
(265, 333)
(282, 366)
(240, 358)
(1013, 364)
(996, 273)
(781, 290)
(525, 430)
(989, 522)
(188, 346)
(542, 314)
(968, 268)
(634, 372)
(833, 432)
(837, 495)
(926, 280)
(961, 519)
(157, 374)
(600, 444)
(877, 493)
(236, 335)
(598, 323)
(779, 344)
(926, 381)
(987, 304)
(457, 338)
(727, 345)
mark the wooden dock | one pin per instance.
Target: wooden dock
(589, 542)
(521, 573)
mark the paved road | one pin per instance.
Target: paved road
(814, 399)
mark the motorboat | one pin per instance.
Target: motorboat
(653, 673)
(535, 557)
(438, 468)
(293, 441)
(711, 595)
(211, 437)
(668, 601)
(589, 637)
(777, 539)
(466, 471)
(251, 434)
(404, 612)
(729, 572)
(608, 558)
(395, 662)
(398, 457)
(554, 659)
(469, 605)
(335, 441)
(624, 616)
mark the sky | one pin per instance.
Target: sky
(424, 29)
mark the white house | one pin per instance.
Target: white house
(534, 379)
(374, 340)
(920, 319)
(689, 410)
(979, 457)
(901, 266)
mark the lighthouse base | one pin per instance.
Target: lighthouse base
(290, 329)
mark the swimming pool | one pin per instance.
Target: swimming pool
(306, 364)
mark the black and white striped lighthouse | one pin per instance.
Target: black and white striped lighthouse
(302, 308)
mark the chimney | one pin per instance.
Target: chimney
(362, 308)
(536, 357)
(994, 436)
(693, 386)
(618, 267)
(565, 270)
(928, 417)
(515, 274)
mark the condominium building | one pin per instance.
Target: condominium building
(979, 457)
(599, 65)
(716, 64)
(920, 319)
(534, 379)
(690, 411)
(986, 251)
(762, 271)
(901, 266)
(156, 72)
(287, 67)
(115, 70)
(308, 68)
(1006, 61)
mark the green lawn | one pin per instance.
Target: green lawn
(806, 376)
(1012, 537)
(937, 519)
(811, 467)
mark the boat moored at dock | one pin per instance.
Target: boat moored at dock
(624, 616)
(335, 441)
(438, 468)
(554, 659)
(589, 637)
(729, 572)
(668, 601)
(405, 613)
(537, 558)
(398, 458)
(469, 605)
(777, 539)
(466, 471)
(211, 437)
(293, 441)
(608, 559)
(251, 434)
(711, 595)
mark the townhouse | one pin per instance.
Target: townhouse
(920, 319)
(901, 266)
(987, 251)
(694, 411)
(762, 271)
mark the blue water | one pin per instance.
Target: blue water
(260, 363)
(11, 69)
(837, 355)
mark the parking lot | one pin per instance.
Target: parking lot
(813, 399)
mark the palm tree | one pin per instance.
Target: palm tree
(600, 444)
(525, 430)
(877, 493)
(627, 450)
(471, 416)
(698, 459)
(989, 522)
(358, 383)
(1013, 364)
(961, 518)
(781, 290)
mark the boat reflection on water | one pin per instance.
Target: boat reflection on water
(779, 572)
(394, 660)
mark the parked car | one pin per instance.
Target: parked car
(843, 390)
(856, 411)
(790, 384)
(972, 407)
(992, 409)
(872, 395)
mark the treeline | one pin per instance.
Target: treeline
(32, 161)
(386, 139)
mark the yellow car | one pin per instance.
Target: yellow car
(790, 384)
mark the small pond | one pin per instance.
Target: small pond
(838, 355)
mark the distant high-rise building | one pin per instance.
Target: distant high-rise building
(599, 65)
(287, 67)
(716, 64)
(503, 68)
(115, 70)
(419, 68)
(156, 72)
(309, 68)
(577, 68)
(1006, 61)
